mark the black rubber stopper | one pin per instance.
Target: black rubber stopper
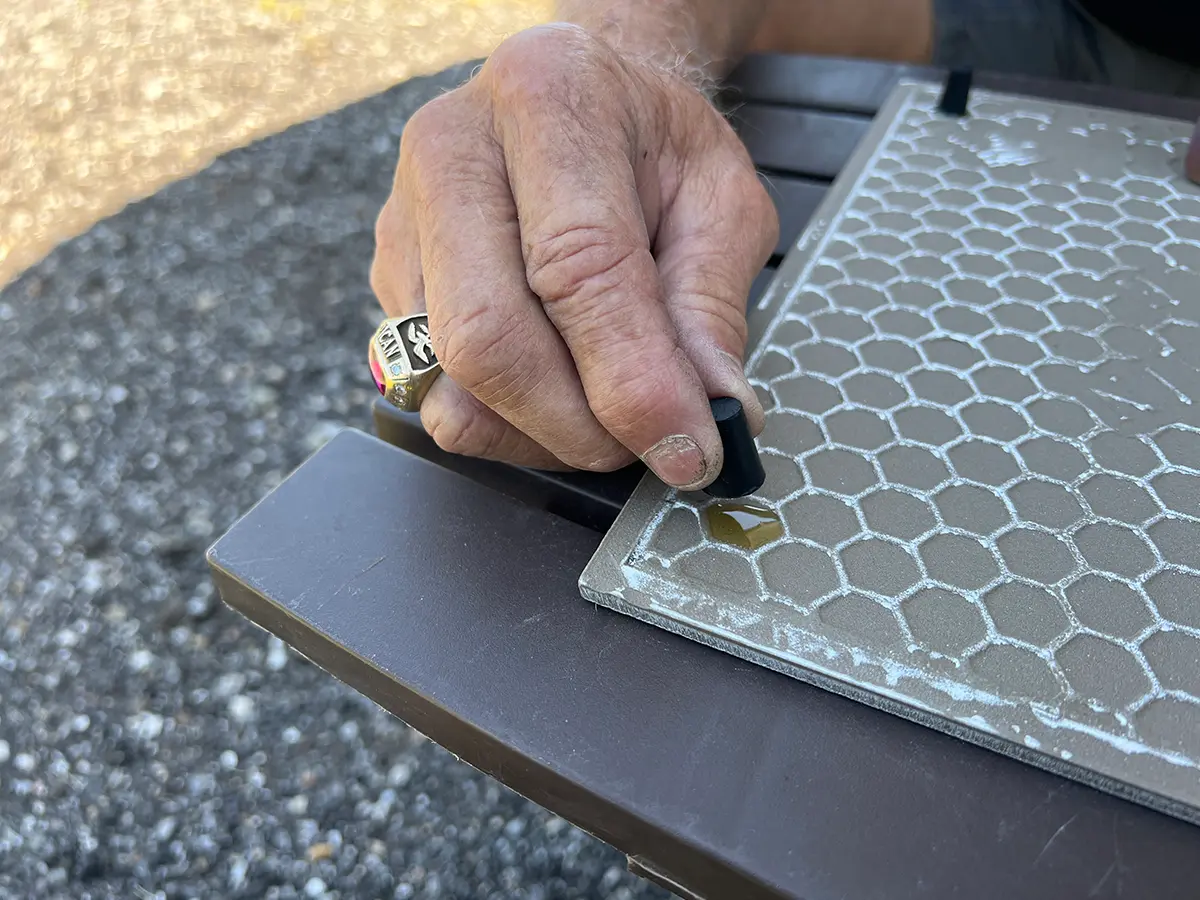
(743, 472)
(956, 93)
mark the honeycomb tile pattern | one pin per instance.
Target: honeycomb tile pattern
(984, 444)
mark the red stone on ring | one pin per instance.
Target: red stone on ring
(377, 371)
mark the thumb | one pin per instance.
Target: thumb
(713, 240)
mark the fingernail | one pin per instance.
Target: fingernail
(677, 460)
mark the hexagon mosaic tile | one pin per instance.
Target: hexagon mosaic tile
(981, 376)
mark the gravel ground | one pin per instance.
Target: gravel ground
(160, 374)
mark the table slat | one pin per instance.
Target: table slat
(860, 86)
(815, 82)
(457, 609)
(799, 142)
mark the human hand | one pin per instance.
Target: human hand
(583, 230)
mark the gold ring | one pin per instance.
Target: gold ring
(403, 362)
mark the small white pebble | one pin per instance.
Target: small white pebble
(229, 684)
(5, 752)
(67, 638)
(117, 393)
(321, 433)
(314, 887)
(399, 775)
(291, 735)
(307, 831)
(165, 829)
(145, 725)
(140, 660)
(348, 731)
(237, 872)
(277, 655)
(81, 722)
(241, 708)
(198, 526)
(24, 762)
(612, 877)
(228, 759)
(514, 828)
(298, 805)
(92, 581)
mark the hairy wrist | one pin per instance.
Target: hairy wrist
(696, 40)
(680, 68)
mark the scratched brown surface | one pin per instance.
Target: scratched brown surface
(106, 100)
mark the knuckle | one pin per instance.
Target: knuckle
(459, 428)
(755, 213)
(576, 260)
(634, 406)
(386, 228)
(481, 350)
(763, 216)
(709, 295)
(447, 147)
(378, 279)
(723, 319)
(419, 130)
(534, 64)
(425, 136)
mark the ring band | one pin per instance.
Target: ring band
(403, 363)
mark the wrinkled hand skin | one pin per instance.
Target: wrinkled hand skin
(583, 230)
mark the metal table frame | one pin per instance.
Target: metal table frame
(445, 590)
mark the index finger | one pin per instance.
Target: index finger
(588, 258)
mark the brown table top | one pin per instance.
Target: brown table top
(418, 582)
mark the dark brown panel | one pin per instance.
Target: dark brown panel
(457, 609)
(861, 86)
(815, 82)
(799, 141)
(586, 498)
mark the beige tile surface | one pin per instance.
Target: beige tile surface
(106, 100)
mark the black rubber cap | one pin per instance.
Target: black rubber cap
(743, 472)
(956, 93)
